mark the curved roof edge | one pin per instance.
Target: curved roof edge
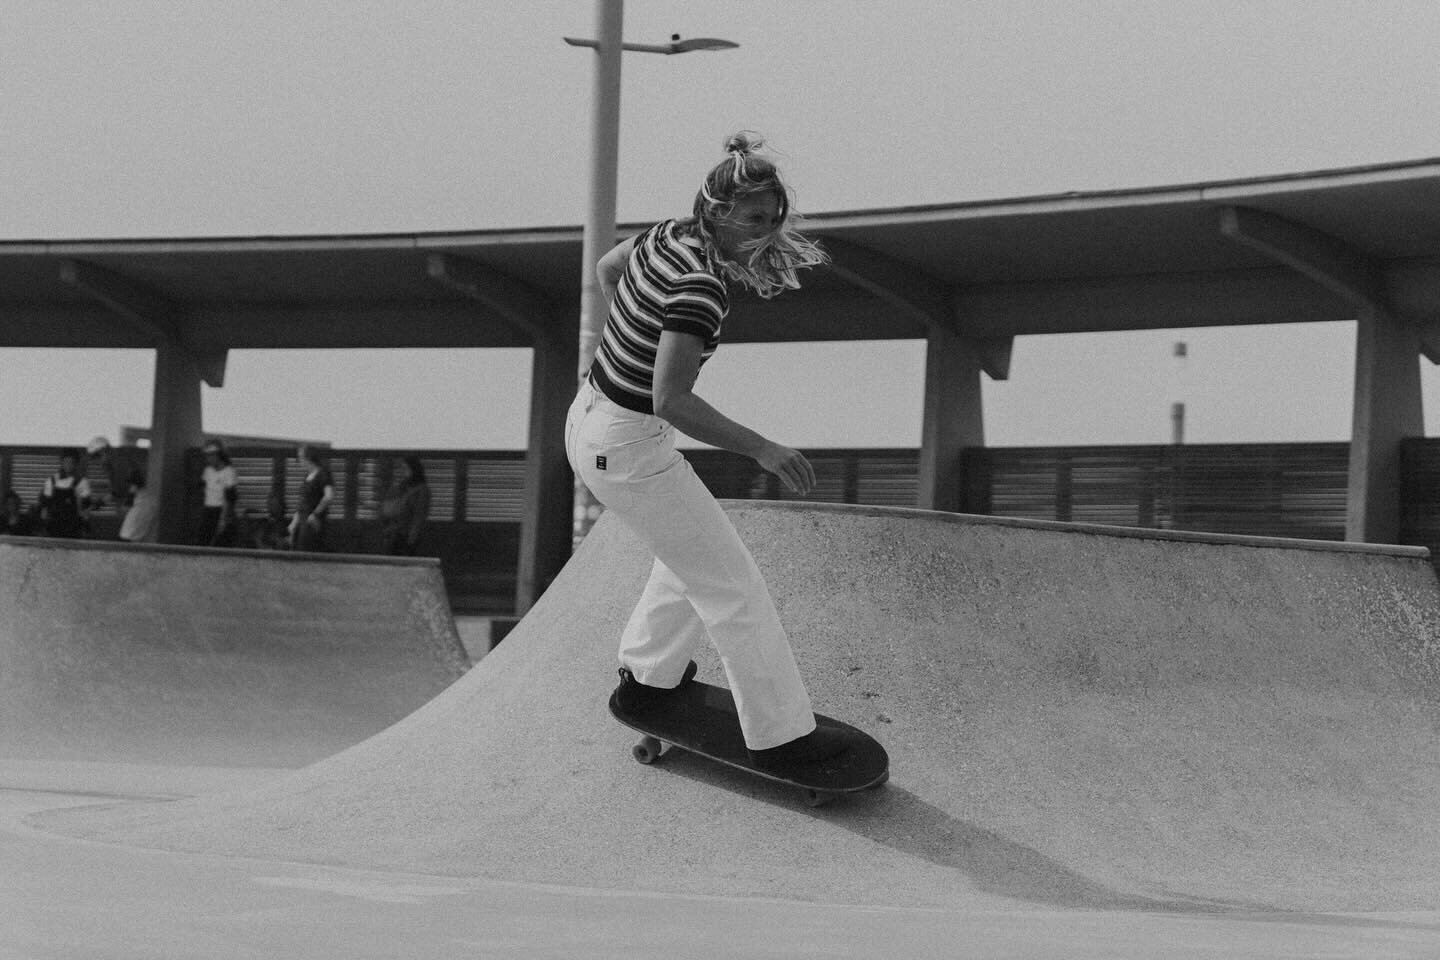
(1228, 189)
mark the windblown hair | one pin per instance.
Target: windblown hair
(771, 262)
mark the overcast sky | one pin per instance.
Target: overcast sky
(152, 119)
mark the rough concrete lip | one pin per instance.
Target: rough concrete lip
(286, 556)
(1095, 529)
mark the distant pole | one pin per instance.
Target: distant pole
(1177, 408)
(599, 234)
(1178, 505)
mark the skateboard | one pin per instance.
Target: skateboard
(701, 719)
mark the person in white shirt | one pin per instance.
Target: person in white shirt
(217, 525)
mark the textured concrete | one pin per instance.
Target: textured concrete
(70, 900)
(169, 655)
(1078, 719)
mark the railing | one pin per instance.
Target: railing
(1288, 490)
(1282, 490)
(476, 508)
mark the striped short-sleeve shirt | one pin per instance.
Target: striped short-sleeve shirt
(666, 285)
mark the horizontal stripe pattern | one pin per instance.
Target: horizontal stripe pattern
(666, 285)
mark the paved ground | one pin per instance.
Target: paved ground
(72, 900)
(1104, 745)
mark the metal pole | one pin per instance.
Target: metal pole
(599, 234)
(1182, 390)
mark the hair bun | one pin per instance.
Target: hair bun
(744, 143)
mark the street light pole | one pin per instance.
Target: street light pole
(600, 215)
(604, 163)
(599, 234)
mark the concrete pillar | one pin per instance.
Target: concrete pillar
(954, 417)
(175, 427)
(1388, 409)
(545, 536)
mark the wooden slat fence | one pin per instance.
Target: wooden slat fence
(1281, 490)
(1286, 490)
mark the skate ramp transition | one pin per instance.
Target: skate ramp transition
(1077, 717)
(191, 656)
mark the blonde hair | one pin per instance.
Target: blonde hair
(770, 262)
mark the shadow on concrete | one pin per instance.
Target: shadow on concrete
(899, 819)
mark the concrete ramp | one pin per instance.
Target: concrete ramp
(1077, 718)
(192, 656)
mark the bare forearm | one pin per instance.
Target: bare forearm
(696, 418)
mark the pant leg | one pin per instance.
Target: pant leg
(663, 631)
(629, 462)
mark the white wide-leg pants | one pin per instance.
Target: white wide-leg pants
(704, 582)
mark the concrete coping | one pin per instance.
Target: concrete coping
(1094, 529)
(287, 556)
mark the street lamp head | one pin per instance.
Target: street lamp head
(676, 45)
(700, 43)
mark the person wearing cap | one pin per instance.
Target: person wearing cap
(217, 524)
(118, 465)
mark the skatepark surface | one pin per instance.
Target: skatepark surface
(184, 655)
(1104, 743)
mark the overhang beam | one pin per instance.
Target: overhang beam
(898, 284)
(1158, 301)
(155, 317)
(518, 304)
(146, 310)
(1330, 262)
(914, 293)
(1347, 273)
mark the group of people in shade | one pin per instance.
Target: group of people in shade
(68, 499)
(404, 507)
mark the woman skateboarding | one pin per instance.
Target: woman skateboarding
(668, 290)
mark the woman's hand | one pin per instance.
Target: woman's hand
(677, 363)
(790, 466)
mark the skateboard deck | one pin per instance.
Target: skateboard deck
(701, 719)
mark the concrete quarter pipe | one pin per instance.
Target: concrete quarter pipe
(1077, 718)
(174, 655)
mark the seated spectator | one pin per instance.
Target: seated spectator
(272, 532)
(405, 508)
(14, 520)
(65, 501)
(117, 464)
(142, 520)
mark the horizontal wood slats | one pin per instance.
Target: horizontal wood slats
(1286, 490)
(1281, 490)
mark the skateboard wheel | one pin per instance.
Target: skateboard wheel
(817, 798)
(647, 750)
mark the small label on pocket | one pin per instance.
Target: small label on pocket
(599, 463)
